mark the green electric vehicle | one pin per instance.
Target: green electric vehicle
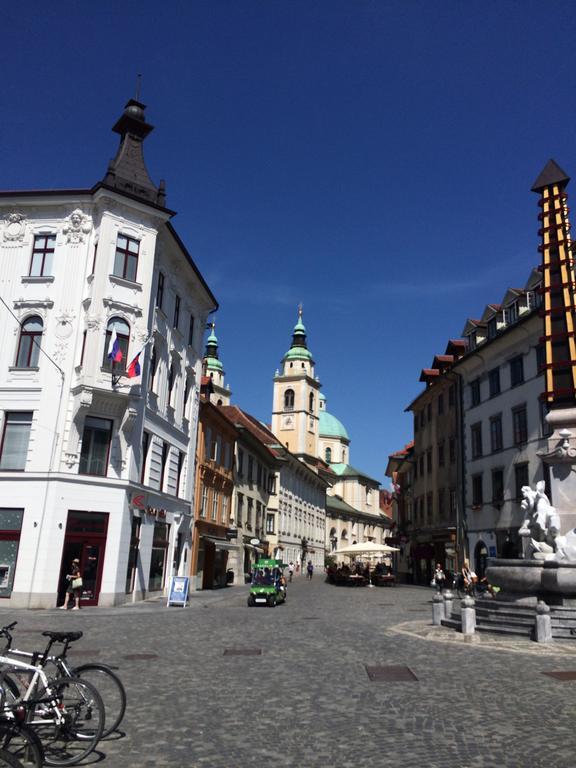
(268, 583)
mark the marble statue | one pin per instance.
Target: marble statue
(542, 525)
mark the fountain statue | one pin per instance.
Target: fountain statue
(542, 527)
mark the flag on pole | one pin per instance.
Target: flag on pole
(133, 369)
(114, 351)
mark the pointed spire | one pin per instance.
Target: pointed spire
(551, 174)
(299, 333)
(127, 172)
(211, 360)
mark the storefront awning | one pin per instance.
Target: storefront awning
(220, 543)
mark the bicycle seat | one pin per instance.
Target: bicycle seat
(62, 637)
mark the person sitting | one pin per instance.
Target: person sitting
(469, 577)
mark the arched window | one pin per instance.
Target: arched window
(311, 402)
(123, 335)
(289, 400)
(328, 455)
(29, 342)
(344, 535)
(152, 370)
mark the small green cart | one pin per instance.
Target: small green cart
(268, 583)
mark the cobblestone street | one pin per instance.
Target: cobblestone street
(307, 699)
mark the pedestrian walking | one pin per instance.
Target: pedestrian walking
(309, 570)
(290, 570)
(74, 587)
(297, 567)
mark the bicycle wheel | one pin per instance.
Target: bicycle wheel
(71, 728)
(21, 741)
(9, 761)
(110, 688)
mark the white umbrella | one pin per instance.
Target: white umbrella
(366, 547)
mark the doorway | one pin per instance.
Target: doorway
(85, 540)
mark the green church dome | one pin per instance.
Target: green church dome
(330, 426)
(213, 364)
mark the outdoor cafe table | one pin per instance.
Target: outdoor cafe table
(358, 580)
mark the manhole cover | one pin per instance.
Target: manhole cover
(391, 674)
(243, 652)
(568, 675)
(140, 656)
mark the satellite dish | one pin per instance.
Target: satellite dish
(255, 542)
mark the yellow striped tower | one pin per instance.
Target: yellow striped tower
(558, 313)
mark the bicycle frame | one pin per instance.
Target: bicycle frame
(38, 674)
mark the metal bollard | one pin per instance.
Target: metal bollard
(437, 610)
(468, 616)
(448, 603)
(543, 623)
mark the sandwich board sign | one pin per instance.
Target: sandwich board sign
(178, 594)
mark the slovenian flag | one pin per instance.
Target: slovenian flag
(114, 351)
(134, 367)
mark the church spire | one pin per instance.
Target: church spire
(299, 346)
(127, 172)
(215, 370)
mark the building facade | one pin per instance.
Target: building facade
(95, 464)
(504, 425)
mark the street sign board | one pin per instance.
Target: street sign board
(255, 542)
(178, 593)
(232, 533)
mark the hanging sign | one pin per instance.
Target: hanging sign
(178, 594)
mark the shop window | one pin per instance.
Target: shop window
(133, 554)
(95, 451)
(10, 528)
(159, 555)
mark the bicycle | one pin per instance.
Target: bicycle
(20, 740)
(67, 713)
(101, 676)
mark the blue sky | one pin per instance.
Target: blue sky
(370, 159)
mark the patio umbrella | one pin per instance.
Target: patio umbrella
(367, 548)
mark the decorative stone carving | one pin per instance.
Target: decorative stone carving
(14, 227)
(542, 526)
(94, 322)
(64, 328)
(77, 225)
(59, 352)
(129, 420)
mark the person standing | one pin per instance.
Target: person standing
(74, 587)
(439, 578)
(309, 570)
(290, 570)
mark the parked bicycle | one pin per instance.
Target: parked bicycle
(101, 676)
(66, 713)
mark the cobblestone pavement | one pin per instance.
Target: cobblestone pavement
(307, 699)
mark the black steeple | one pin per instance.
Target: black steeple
(552, 174)
(127, 171)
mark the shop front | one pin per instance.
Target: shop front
(85, 540)
(211, 548)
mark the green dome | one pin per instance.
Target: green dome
(330, 426)
(213, 364)
(298, 353)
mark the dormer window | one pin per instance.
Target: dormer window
(472, 340)
(492, 328)
(512, 313)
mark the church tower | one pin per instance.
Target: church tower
(212, 367)
(295, 407)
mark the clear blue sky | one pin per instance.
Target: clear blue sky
(372, 159)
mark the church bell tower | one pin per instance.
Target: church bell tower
(295, 406)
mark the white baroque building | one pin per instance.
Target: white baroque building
(94, 464)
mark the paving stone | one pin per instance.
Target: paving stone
(307, 699)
